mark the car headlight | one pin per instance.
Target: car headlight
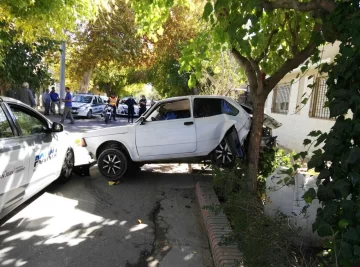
(84, 108)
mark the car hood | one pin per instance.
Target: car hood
(107, 131)
(268, 120)
(78, 104)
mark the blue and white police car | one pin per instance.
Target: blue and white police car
(34, 152)
(86, 105)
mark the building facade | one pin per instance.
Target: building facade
(284, 103)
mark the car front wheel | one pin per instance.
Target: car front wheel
(113, 164)
(222, 155)
(89, 114)
(67, 167)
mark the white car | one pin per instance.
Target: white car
(182, 129)
(122, 109)
(33, 153)
(86, 105)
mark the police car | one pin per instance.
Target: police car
(33, 153)
(86, 105)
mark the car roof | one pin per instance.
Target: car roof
(9, 99)
(195, 96)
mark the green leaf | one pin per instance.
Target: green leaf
(354, 156)
(354, 178)
(304, 101)
(343, 223)
(351, 234)
(356, 247)
(306, 142)
(310, 77)
(208, 9)
(321, 139)
(309, 195)
(325, 193)
(192, 81)
(314, 133)
(338, 107)
(324, 229)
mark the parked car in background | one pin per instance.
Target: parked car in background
(33, 153)
(86, 105)
(122, 108)
(184, 129)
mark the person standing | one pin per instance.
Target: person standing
(55, 101)
(112, 103)
(142, 104)
(68, 106)
(130, 102)
(46, 99)
(26, 96)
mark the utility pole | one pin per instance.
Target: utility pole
(62, 71)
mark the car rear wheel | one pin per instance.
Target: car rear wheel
(223, 156)
(68, 166)
(113, 164)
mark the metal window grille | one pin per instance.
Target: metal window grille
(317, 108)
(280, 103)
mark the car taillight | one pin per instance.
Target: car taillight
(83, 142)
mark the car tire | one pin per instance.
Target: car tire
(113, 164)
(68, 166)
(222, 156)
(89, 114)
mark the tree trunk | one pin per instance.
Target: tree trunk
(255, 141)
(85, 81)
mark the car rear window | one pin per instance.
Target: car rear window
(207, 107)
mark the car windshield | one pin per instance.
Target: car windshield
(82, 99)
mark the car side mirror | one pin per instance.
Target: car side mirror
(57, 127)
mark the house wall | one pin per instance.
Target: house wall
(297, 124)
(287, 199)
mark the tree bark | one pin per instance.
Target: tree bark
(85, 81)
(255, 141)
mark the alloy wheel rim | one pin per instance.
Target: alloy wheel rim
(223, 153)
(112, 164)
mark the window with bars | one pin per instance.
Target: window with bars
(318, 99)
(281, 97)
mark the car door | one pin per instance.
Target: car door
(46, 155)
(168, 130)
(14, 159)
(101, 105)
(95, 105)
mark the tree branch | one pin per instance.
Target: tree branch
(266, 50)
(246, 65)
(293, 63)
(328, 5)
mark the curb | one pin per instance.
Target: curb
(217, 226)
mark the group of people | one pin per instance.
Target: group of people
(50, 101)
(130, 102)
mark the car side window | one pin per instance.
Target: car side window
(179, 109)
(207, 107)
(5, 128)
(229, 109)
(100, 101)
(95, 101)
(28, 123)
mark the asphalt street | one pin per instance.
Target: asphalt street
(150, 218)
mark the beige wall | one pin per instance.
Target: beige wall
(297, 124)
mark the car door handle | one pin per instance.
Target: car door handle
(187, 123)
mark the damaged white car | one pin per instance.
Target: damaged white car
(188, 129)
